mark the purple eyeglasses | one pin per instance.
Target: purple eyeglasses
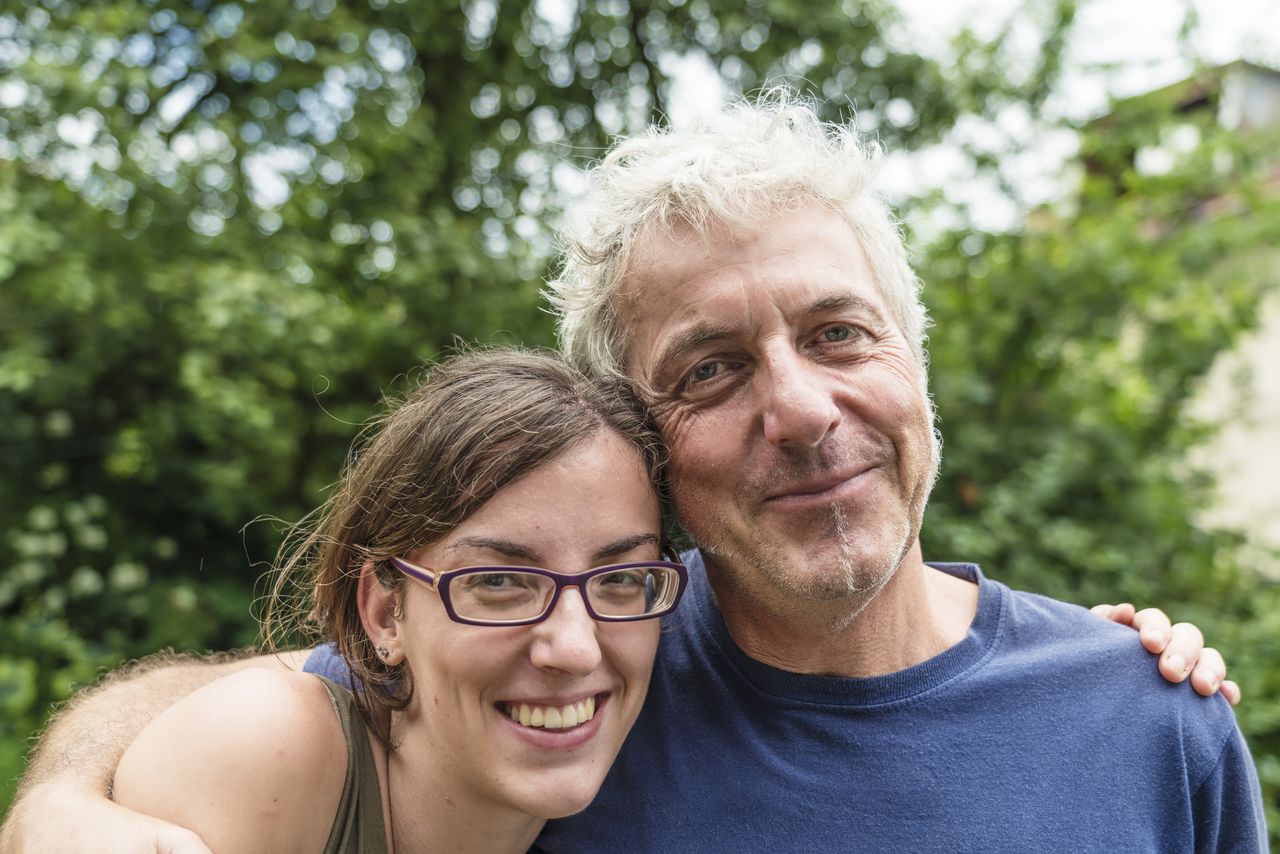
(523, 595)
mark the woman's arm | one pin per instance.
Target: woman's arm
(1180, 647)
(252, 762)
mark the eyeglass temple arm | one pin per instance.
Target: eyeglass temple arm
(426, 576)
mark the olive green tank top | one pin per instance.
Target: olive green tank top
(358, 826)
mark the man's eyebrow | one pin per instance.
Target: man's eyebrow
(626, 544)
(688, 340)
(845, 302)
(504, 547)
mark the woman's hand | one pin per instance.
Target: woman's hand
(1180, 647)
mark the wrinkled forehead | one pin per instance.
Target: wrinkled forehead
(681, 264)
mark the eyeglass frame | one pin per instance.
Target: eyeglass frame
(438, 581)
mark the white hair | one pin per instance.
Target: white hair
(733, 168)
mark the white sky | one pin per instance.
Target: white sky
(1139, 37)
(1119, 47)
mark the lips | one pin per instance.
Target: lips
(816, 488)
(555, 716)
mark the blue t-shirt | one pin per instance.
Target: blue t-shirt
(1045, 729)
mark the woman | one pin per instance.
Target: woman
(489, 568)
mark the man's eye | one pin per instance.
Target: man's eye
(835, 334)
(704, 372)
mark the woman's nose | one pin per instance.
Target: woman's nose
(566, 639)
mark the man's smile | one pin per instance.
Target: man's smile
(822, 489)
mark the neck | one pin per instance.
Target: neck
(429, 811)
(917, 614)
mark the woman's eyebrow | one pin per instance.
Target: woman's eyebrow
(620, 547)
(522, 552)
(505, 547)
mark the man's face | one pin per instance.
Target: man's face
(802, 447)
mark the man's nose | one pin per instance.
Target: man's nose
(799, 407)
(566, 640)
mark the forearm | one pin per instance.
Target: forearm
(84, 741)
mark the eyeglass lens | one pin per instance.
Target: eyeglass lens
(506, 594)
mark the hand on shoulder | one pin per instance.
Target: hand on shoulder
(1180, 647)
(225, 762)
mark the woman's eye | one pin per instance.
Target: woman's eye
(491, 580)
(632, 578)
(500, 581)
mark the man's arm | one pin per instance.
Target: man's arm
(62, 804)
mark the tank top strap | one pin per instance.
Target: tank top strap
(358, 826)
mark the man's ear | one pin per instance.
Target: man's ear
(379, 614)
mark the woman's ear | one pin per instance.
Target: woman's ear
(379, 610)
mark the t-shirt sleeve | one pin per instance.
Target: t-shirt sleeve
(1228, 805)
(325, 661)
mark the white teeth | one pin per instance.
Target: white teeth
(553, 717)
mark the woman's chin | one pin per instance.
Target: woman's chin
(563, 803)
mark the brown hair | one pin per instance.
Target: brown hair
(477, 422)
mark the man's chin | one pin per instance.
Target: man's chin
(800, 573)
(839, 577)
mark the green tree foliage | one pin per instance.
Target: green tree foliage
(227, 228)
(1063, 359)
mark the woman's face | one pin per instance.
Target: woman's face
(592, 505)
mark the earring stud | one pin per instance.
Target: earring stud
(383, 652)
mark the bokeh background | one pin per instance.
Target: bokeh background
(227, 229)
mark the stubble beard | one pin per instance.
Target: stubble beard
(859, 570)
(850, 570)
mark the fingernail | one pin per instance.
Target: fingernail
(1176, 663)
(1210, 677)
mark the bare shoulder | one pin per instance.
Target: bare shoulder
(225, 761)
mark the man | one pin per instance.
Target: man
(824, 687)
(822, 683)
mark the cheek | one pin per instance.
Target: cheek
(678, 426)
(632, 650)
(892, 387)
(699, 441)
(448, 659)
(894, 362)
(672, 419)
